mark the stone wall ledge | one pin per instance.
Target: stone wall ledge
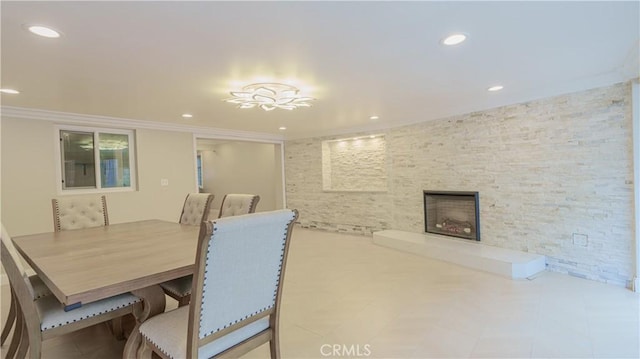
(505, 262)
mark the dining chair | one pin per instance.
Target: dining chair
(75, 212)
(237, 291)
(39, 290)
(44, 318)
(196, 208)
(194, 211)
(232, 205)
(235, 204)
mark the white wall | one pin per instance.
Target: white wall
(243, 167)
(29, 176)
(555, 177)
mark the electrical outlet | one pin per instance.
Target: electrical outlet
(580, 239)
(164, 182)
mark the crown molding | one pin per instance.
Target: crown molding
(115, 122)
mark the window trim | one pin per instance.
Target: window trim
(199, 174)
(133, 171)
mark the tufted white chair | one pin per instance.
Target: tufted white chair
(194, 212)
(68, 213)
(232, 205)
(237, 290)
(79, 212)
(44, 318)
(196, 208)
(76, 212)
(235, 204)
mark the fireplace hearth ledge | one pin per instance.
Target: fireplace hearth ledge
(505, 262)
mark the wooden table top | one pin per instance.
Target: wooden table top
(85, 265)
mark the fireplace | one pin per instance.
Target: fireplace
(455, 214)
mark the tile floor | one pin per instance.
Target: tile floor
(345, 297)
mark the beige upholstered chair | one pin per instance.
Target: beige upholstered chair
(232, 205)
(196, 208)
(235, 204)
(39, 291)
(68, 213)
(79, 212)
(194, 212)
(44, 318)
(237, 290)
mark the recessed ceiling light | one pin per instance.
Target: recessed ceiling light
(495, 88)
(374, 117)
(282, 128)
(10, 91)
(43, 31)
(187, 115)
(454, 39)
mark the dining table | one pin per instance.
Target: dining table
(86, 265)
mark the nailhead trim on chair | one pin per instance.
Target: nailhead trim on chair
(69, 204)
(157, 345)
(170, 287)
(111, 309)
(260, 311)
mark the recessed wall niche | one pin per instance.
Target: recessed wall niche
(355, 164)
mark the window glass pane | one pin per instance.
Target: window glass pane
(114, 160)
(78, 159)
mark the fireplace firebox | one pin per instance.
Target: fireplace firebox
(452, 213)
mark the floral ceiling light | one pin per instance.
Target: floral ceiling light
(269, 96)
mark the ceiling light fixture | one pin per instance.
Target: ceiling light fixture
(282, 128)
(454, 39)
(187, 115)
(43, 31)
(10, 91)
(269, 96)
(495, 88)
(374, 117)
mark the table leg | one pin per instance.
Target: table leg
(153, 302)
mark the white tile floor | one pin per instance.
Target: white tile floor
(367, 301)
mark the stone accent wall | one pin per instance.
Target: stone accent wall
(355, 164)
(554, 176)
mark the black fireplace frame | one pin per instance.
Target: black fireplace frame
(476, 197)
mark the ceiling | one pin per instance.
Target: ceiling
(154, 61)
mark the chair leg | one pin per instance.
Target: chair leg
(24, 343)
(184, 300)
(274, 345)
(145, 351)
(11, 319)
(17, 333)
(116, 327)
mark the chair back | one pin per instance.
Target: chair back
(239, 271)
(196, 208)
(18, 277)
(236, 204)
(79, 212)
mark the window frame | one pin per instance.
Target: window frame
(96, 133)
(199, 171)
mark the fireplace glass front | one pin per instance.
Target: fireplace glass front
(453, 214)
